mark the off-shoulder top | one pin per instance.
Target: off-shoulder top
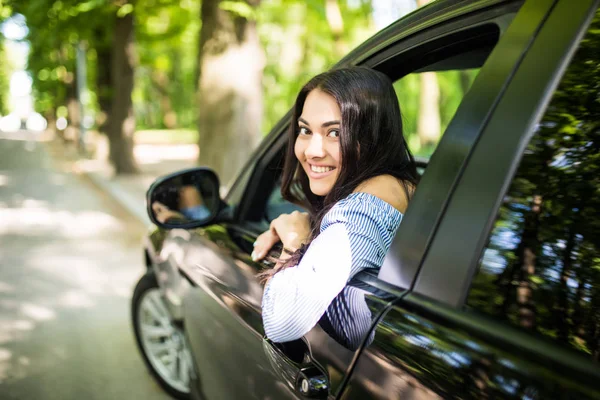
(354, 235)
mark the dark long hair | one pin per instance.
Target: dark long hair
(371, 139)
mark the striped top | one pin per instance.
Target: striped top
(348, 318)
(355, 234)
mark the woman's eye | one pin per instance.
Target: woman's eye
(303, 131)
(334, 133)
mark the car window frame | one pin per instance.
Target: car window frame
(441, 35)
(422, 217)
(446, 274)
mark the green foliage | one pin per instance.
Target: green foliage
(124, 10)
(167, 43)
(239, 8)
(296, 36)
(453, 85)
(5, 73)
(299, 44)
(55, 29)
(541, 268)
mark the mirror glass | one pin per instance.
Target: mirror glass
(191, 196)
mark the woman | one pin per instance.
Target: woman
(348, 164)
(191, 207)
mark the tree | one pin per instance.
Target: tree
(56, 28)
(121, 127)
(231, 62)
(543, 260)
(336, 24)
(428, 125)
(4, 78)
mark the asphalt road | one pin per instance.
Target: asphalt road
(69, 259)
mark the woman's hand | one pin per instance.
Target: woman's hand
(163, 213)
(291, 229)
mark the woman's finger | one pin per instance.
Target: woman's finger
(263, 244)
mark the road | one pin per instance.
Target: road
(69, 259)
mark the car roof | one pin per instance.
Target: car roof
(422, 18)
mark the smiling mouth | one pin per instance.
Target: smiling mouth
(320, 170)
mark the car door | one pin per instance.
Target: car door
(222, 309)
(505, 304)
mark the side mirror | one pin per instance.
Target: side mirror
(186, 199)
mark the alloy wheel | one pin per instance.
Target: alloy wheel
(163, 342)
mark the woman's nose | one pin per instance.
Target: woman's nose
(315, 148)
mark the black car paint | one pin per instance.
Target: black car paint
(505, 136)
(421, 347)
(425, 350)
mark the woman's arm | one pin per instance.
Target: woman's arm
(291, 229)
(355, 234)
(295, 298)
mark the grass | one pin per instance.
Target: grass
(166, 136)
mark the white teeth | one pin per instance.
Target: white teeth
(314, 168)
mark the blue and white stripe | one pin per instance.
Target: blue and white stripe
(355, 234)
(348, 318)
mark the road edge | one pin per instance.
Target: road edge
(129, 204)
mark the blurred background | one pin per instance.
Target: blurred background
(100, 97)
(107, 75)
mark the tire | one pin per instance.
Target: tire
(162, 344)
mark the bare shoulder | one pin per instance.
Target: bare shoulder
(388, 189)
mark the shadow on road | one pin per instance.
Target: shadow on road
(68, 262)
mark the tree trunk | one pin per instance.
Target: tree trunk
(229, 89)
(429, 122)
(527, 260)
(50, 116)
(73, 115)
(579, 302)
(336, 25)
(593, 326)
(104, 82)
(122, 124)
(563, 295)
(160, 79)
(506, 287)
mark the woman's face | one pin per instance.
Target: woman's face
(318, 143)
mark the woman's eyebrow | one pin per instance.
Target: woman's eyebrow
(324, 125)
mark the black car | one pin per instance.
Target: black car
(491, 288)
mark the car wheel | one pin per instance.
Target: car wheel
(163, 346)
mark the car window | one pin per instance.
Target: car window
(540, 270)
(277, 205)
(428, 101)
(234, 196)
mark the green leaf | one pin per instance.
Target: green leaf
(5, 12)
(125, 10)
(89, 5)
(536, 279)
(239, 8)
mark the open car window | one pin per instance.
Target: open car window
(277, 205)
(428, 101)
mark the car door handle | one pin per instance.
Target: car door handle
(303, 375)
